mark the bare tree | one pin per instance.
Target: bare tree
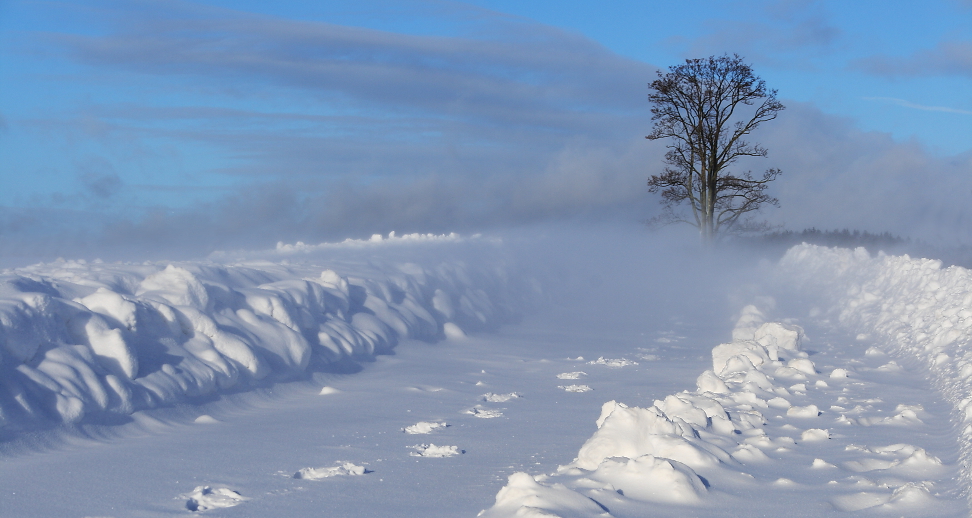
(706, 107)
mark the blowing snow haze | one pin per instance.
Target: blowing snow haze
(134, 130)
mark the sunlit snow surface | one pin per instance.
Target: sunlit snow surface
(280, 383)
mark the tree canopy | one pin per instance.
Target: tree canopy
(706, 108)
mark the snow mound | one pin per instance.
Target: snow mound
(345, 469)
(575, 388)
(80, 341)
(204, 498)
(523, 496)
(483, 413)
(571, 375)
(612, 362)
(913, 307)
(431, 450)
(423, 428)
(500, 398)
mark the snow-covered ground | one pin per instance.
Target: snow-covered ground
(455, 376)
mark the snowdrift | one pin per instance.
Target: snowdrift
(81, 340)
(916, 308)
(663, 454)
(689, 449)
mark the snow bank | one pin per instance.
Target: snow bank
(915, 307)
(81, 340)
(733, 437)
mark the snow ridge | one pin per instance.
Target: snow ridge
(918, 310)
(84, 339)
(695, 448)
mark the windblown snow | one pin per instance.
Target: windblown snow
(766, 407)
(822, 400)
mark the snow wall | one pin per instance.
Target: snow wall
(83, 341)
(918, 310)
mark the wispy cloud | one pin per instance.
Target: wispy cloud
(321, 131)
(773, 32)
(909, 104)
(948, 58)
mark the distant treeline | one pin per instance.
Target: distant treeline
(843, 238)
(886, 242)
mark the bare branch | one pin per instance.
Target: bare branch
(696, 107)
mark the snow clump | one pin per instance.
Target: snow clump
(431, 450)
(344, 469)
(423, 427)
(204, 498)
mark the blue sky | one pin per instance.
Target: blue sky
(158, 127)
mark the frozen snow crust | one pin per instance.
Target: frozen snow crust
(916, 308)
(80, 340)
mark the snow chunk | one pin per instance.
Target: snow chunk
(500, 398)
(575, 388)
(204, 498)
(749, 320)
(803, 411)
(423, 427)
(633, 432)
(571, 375)
(431, 450)
(737, 356)
(815, 434)
(344, 469)
(839, 374)
(709, 382)
(782, 337)
(484, 413)
(612, 362)
(803, 365)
